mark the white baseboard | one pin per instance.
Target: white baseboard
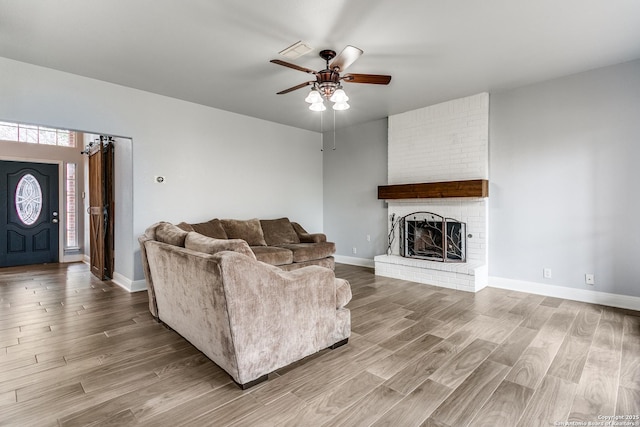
(73, 258)
(86, 259)
(582, 295)
(128, 284)
(362, 262)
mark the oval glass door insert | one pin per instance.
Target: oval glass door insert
(28, 199)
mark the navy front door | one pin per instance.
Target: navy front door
(29, 217)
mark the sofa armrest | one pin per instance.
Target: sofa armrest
(308, 237)
(153, 308)
(190, 299)
(276, 317)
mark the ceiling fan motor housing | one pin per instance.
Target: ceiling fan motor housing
(327, 81)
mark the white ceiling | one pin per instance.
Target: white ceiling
(217, 53)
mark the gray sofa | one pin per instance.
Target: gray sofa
(249, 317)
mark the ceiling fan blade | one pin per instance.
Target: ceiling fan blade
(291, 89)
(294, 66)
(374, 79)
(347, 57)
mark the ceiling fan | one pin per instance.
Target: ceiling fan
(328, 81)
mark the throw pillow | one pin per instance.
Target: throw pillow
(169, 233)
(209, 245)
(247, 230)
(278, 232)
(184, 226)
(150, 232)
(211, 228)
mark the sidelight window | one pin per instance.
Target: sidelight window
(71, 235)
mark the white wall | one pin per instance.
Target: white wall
(352, 173)
(217, 164)
(564, 173)
(124, 204)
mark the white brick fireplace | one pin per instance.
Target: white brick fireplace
(443, 142)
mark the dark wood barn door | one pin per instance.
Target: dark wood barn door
(101, 205)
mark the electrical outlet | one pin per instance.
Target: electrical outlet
(368, 237)
(355, 250)
(589, 279)
(546, 273)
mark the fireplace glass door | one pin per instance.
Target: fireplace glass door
(425, 235)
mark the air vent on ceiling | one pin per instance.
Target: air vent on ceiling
(296, 50)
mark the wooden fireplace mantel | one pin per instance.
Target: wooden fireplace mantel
(435, 190)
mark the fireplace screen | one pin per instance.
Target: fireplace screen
(425, 235)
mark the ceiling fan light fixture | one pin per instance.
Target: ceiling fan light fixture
(317, 106)
(341, 106)
(339, 96)
(313, 97)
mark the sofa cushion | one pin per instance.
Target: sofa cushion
(171, 234)
(309, 251)
(210, 245)
(247, 230)
(211, 228)
(278, 231)
(273, 255)
(184, 226)
(323, 262)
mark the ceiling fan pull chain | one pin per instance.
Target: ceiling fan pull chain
(334, 129)
(321, 132)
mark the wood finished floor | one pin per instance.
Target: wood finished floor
(75, 352)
